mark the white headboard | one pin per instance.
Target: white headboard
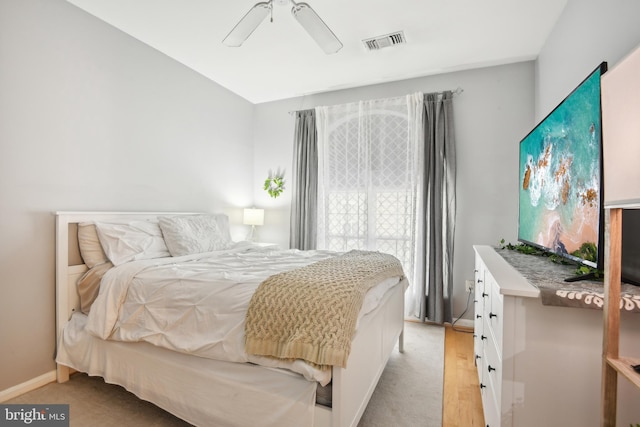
(67, 298)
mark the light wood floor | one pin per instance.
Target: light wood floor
(462, 404)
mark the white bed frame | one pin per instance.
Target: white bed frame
(352, 386)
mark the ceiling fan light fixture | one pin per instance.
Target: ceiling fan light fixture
(316, 27)
(247, 24)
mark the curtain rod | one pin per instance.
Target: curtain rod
(457, 91)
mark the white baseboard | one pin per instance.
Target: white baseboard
(27, 386)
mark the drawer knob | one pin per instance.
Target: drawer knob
(479, 280)
(478, 357)
(491, 315)
(482, 337)
(482, 386)
(484, 295)
(490, 368)
(478, 316)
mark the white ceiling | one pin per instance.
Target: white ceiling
(279, 60)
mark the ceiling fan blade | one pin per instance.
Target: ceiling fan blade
(316, 27)
(247, 24)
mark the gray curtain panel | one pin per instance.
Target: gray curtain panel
(305, 182)
(440, 205)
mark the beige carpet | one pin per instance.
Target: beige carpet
(409, 392)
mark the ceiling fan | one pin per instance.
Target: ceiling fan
(303, 13)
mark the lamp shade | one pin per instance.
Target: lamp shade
(621, 133)
(253, 216)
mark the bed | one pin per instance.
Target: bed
(190, 380)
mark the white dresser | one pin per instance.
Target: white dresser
(540, 365)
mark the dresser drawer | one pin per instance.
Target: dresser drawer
(490, 405)
(478, 347)
(479, 301)
(490, 292)
(492, 366)
(483, 296)
(495, 316)
(491, 412)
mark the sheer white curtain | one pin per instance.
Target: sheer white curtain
(369, 174)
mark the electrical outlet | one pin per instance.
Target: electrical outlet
(468, 285)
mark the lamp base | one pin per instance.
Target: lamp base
(252, 234)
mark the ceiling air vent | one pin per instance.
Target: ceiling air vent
(380, 42)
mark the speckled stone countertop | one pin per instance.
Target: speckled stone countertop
(549, 277)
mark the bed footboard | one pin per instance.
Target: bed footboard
(370, 351)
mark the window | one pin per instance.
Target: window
(367, 196)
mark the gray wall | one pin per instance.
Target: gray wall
(587, 33)
(492, 114)
(91, 119)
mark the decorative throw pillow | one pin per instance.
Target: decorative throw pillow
(191, 234)
(89, 285)
(90, 247)
(132, 241)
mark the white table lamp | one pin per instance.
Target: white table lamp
(253, 217)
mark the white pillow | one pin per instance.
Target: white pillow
(223, 227)
(192, 234)
(131, 241)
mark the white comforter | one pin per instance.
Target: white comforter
(197, 304)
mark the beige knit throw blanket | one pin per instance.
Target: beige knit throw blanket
(310, 313)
